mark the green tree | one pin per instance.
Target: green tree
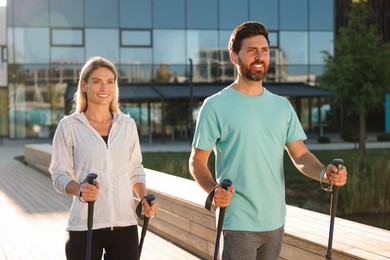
(358, 72)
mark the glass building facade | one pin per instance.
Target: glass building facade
(44, 44)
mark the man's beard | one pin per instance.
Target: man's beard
(252, 75)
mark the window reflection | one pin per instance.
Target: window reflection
(273, 39)
(224, 36)
(265, 11)
(136, 56)
(135, 13)
(298, 73)
(211, 62)
(136, 65)
(169, 47)
(321, 15)
(319, 42)
(102, 42)
(31, 45)
(214, 65)
(69, 13)
(232, 13)
(199, 17)
(29, 13)
(150, 42)
(31, 100)
(199, 41)
(277, 71)
(165, 73)
(67, 55)
(101, 13)
(136, 38)
(67, 37)
(169, 14)
(293, 15)
(295, 46)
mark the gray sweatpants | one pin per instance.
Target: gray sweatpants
(252, 245)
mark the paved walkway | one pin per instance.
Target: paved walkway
(33, 216)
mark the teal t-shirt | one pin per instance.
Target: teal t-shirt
(248, 135)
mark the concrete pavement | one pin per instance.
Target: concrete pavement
(33, 216)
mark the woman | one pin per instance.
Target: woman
(98, 138)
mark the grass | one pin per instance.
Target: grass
(176, 163)
(300, 189)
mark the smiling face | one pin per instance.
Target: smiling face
(100, 87)
(253, 58)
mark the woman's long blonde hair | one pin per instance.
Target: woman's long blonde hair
(80, 97)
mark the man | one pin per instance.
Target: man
(248, 127)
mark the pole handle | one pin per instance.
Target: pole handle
(91, 178)
(150, 198)
(338, 163)
(226, 183)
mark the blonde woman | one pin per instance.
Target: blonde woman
(98, 138)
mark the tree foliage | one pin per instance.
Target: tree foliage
(358, 72)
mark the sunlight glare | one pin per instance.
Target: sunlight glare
(3, 2)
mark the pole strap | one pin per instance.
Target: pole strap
(209, 201)
(138, 210)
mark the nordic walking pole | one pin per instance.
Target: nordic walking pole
(225, 185)
(149, 198)
(333, 208)
(91, 180)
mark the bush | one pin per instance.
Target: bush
(383, 137)
(368, 191)
(350, 134)
(323, 139)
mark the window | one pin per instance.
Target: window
(232, 13)
(102, 42)
(273, 39)
(266, 12)
(224, 37)
(4, 53)
(199, 17)
(69, 13)
(199, 43)
(67, 37)
(28, 13)
(135, 13)
(169, 47)
(169, 14)
(293, 15)
(295, 47)
(136, 65)
(31, 45)
(69, 55)
(136, 38)
(320, 41)
(321, 15)
(101, 13)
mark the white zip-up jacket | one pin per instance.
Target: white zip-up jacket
(78, 150)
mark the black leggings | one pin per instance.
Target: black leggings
(121, 243)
